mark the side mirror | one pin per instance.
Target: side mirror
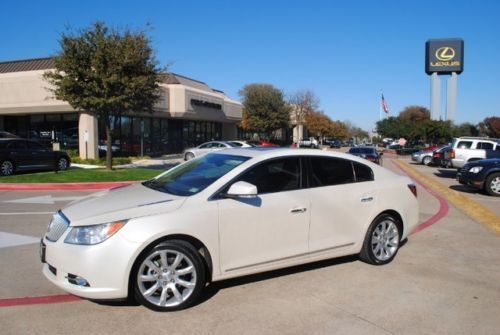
(242, 189)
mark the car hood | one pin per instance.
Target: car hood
(120, 203)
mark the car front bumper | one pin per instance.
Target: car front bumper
(105, 267)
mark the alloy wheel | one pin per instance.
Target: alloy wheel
(385, 240)
(62, 164)
(166, 278)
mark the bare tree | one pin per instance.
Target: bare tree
(303, 102)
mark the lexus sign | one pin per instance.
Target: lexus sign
(444, 56)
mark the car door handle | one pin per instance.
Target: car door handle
(298, 210)
(366, 199)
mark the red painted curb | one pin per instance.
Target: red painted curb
(63, 186)
(443, 206)
(52, 299)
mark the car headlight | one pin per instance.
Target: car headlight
(88, 235)
(476, 169)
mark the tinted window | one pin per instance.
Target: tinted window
(330, 171)
(464, 144)
(205, 146)
(485, 145)
(362, 172)
(275, 175)
(195, 175)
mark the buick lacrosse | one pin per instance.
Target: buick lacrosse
(226, 214)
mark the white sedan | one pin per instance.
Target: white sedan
(207, 147)
(226, 214)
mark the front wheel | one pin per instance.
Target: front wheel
(492, 184)
(188, 156)
(169, 277)
(381, 241)
(62, 164)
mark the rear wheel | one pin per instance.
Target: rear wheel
(381, 241)
(6, 168)
(492, 184)
(169, 277)
(189, 156)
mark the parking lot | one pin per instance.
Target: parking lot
(443, 281)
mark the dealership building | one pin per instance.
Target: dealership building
(188, 113)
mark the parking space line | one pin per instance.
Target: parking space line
(26, 213)
(51, 299)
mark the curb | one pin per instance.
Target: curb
(63, 186)
(468, 206)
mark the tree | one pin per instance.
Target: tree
(465, 129)
(354, 131)
(302, 103)
(338, 131)
(264, 108)
(319, 124)
(491, 126)
(415, 114)
(106, 72)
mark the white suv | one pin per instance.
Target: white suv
(468, 149)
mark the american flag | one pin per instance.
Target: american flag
(383, 105)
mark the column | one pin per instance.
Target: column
(435, 96)
(87, 136)
(451, 97)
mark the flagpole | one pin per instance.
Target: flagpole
(380, 108)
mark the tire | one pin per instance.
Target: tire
(172, 286)
(427, 160)
(7, 168)
(382, 241)
(62, 164)
(492, 184)
(188, 156)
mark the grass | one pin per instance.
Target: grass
(82, 176)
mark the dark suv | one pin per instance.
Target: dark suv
(482, 174)
(18, 154)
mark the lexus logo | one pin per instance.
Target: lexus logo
(445, 54)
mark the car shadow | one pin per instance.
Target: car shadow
(464, 189)
(213, 288)
(446, 173)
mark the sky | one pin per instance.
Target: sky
(346, 52)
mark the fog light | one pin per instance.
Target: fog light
(77, 280)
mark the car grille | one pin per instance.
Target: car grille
(57, 227)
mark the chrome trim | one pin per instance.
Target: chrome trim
(57, 226)
(291, 257)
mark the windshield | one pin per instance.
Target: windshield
(195, 175)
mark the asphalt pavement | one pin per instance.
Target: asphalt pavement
(443, 281)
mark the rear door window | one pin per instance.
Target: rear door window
(17, 145)
(327, 171)
(485, 145)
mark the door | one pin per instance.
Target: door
(270, 227)
(343, 195)
(18, 152)
(40, 156)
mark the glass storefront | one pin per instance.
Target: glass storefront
(45, 128)
(134, 135)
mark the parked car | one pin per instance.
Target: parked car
(207, 147)
(17, 154)
(424, 156)
(468, 149)
(242, 144)
(440, 156)
(369, 153)
(310, 142)
(263, 143)
(226, 214)
(482, 174)
(336, 144)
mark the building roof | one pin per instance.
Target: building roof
(27, 65)
(47, 63)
